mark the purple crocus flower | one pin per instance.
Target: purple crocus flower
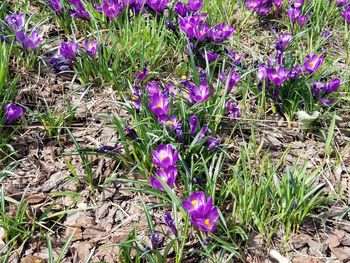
(262, 72)
(79, 13)
(136, 97)
(180, 9)
(342, 3)
(111, 8)
(179, 131)
(201, 32)
(313, 63)
(157, 5)
(128, 131)
(15, 21)
(203, 132)
(318, 87)
(12, 112)
(142, 75)
(231, 81)
(253, 4)
(193, 125)
(325, 102)
(152, 88)
(221, 32)
(60, 63)
(235, 56)
(293, 14)
(298, 3)
(296, 71)
(208, 223)
(159, 105)
(195, 5)
(154, 237)
(233, 110)
(212, 56)
(302, 20)
(165, 156)
(346, 15)
(170, 89)
(32, 41)
(168, 176)
(197, 204)
(199, 94)
(91, 47)
(284, 39)
(56, 5)
(170, 123)
(332, 86)
(169, 221)
(277, 75)
(213, 143)
(127, 3)
(69, 50)
(202, 212)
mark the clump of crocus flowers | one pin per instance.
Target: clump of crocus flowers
(264, 7)
(28, 41)
(165, 158)
(295, 12)
(203, 214)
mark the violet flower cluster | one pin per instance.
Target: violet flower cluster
(274, 74)
(28, 41)
(264, 7)
(165, 158)
(67, 54)
(295, 12)
(203, 214)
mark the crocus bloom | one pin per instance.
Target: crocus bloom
(180, 9)
(208, 223)
(212, 56)
(231, 81)
(12, 112)
(127, 3)
(168, 176)
(179, 131)
(213, 143)
(199, 94)
(195, 5)
(142, 75)
(221, 32)
(69, 50)
(169, 221)
(284, 39)
(165, 156)
(152, 88)
(79, 13)
(155, 240)
(111, 8)
(341, 3)
(313, 62)
(15, 21)
(293, 14)
(56, 5)
(60, 63)
(26, 41)
(233, 110)
(277, 75)
(296, 71)
(159, 105)
(170, 123)
(157, 5)
(332, 86)
(128, 131)
(202, 212)
(346, 15)
(136, 97)
(193, 125)
(203, 132)
(235, 56)
(262, 72)
(325, 102)
(91, 47)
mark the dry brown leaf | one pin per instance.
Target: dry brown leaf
(32, 259)
(333, 241)
(342, 253)
(305, 259)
